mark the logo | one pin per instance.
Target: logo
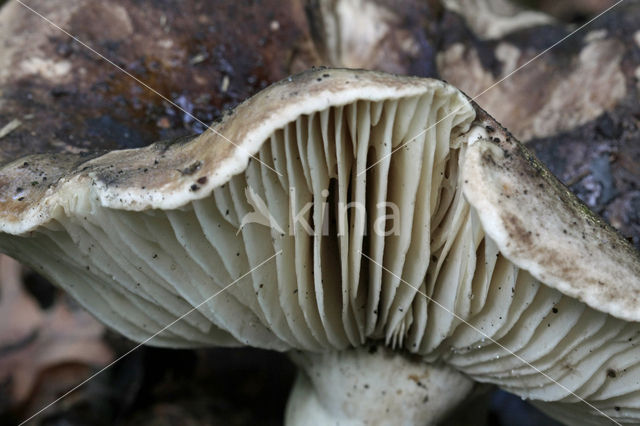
(261, 214)
(385, 217)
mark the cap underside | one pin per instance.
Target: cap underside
(346, 224)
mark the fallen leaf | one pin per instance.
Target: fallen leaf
(33, 341)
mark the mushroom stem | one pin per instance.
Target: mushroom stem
(372, 386)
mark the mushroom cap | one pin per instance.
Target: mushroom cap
(395, 210)
(161, 175)
(556, 237)
(45, 196)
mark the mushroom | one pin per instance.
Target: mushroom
(384, 230)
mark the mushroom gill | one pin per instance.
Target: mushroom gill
(338, 220)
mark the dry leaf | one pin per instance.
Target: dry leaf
(33, 341)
